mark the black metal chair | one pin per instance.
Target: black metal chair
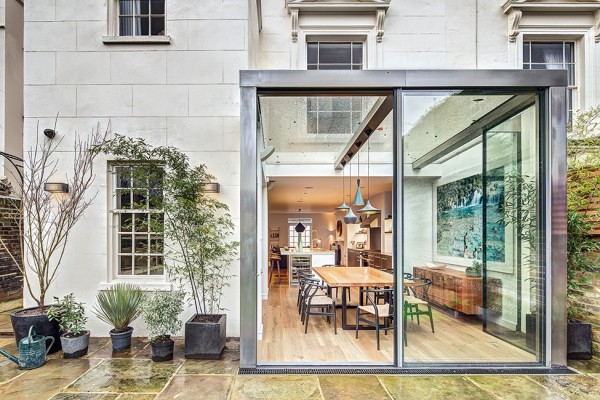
(315, 303)
(304, 277)
(379, 311)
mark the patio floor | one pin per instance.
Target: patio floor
(132, 375)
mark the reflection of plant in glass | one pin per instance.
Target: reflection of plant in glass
(583, 193)
(197, 226)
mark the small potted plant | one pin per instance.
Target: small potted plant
(161, 314)
(71, 319)
(474, 270)
(119, 306)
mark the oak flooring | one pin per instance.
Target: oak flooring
(454, 340)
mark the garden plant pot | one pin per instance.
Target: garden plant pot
(75, 346)
(23, 319)
(579, 341)
(162, 349)
(121, 340)
(205, 336)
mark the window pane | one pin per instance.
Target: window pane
(311, 53)
(156, 244)
(141, 265)
(125, 265)
(356, 104)
(312, 67)
(357, 66)
(157, 222)
(156, 265)
(312, 103)
(142, 7)
(141, 222)
(341, 104)
(312, 122)
(126, 222)
(571, 74)
(526, 52)
(141, 244)
(551, 53)
(325, 103)
(125, 26)
(338, 122)
(569, 50)
(125, 243)
(548, 66)
(334, 53)
(155, 199)
(126, 7)
(123, 177)
(143, 26)
(356, 119)
(157, 7)
(335, 66)
(357, 53)
(123, 198)
(158, 26)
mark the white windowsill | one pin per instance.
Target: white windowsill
(145, 286)
(164, 39)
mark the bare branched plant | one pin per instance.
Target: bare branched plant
(46, 219)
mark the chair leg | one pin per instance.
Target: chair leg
(334, 320)
(271, 273)
(357, 315)
(430, 318)
(404, 319)
(377, 332)
(278, 272)
(306, 320)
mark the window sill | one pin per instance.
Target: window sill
(144, 285)
(165, 39)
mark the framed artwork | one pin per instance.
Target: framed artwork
(459, 222)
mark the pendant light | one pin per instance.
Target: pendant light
(350, 217)
(343, 206)
(369, 209)
(358, 198)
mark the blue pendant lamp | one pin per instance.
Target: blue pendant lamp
(350, 217)
(369, 209)
(358, 198)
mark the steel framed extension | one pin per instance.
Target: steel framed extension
(550, 83)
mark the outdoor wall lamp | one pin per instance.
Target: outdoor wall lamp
(53, 187)
(50, 133)
(212, 187)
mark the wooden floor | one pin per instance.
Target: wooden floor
(454, 340)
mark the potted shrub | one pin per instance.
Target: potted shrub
(198, 229)
(161, 314)
(474, 271)
(119, 306)
(45, 220)
(71, 319)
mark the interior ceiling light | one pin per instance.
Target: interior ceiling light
(350, 217)
(358, 198)
(300, 228)
(343, 206)
(369, 209)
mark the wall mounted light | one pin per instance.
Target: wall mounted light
(54, 187)
(50, 133)
(212, 187)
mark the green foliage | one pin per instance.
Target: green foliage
(475, 269)
(583, 198)
(69, 314)
(120, 305)
(197, 227)
(161, 312)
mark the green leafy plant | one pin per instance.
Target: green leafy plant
(475, 269)
(120, 305)
(69, 314)
(161, 312)
(198, 227)
(583, 211)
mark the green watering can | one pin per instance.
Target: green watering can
(32, 351)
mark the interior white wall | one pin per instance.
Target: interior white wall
(323, 223)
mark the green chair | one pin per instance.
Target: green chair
(417, 296)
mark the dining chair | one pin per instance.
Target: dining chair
(303, 279)
(317, 304)
(418, 295)
(383, 311)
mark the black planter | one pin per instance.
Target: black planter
(579, 341)
(121, 340)
(530, 330)
(205, 340)
(42, 326)
(163, 350)
(75, 347)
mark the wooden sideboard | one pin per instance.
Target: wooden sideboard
(454, 290)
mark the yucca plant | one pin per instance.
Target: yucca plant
(120, 305)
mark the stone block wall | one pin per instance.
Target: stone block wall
(587, 306)
(11, 279)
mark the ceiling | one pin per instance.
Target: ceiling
(318, 194)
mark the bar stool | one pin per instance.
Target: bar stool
(275, 259)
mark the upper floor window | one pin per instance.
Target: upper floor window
(138, 222)
(334, 55)
(554, 55)
(141, 17)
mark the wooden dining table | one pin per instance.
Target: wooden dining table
(348, 277)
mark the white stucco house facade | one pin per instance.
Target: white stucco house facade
(176, 83)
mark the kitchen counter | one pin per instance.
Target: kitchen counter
(307, 252)
(306, 260)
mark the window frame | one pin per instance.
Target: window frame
(114, 234)
(113, 31)
(293, 239)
